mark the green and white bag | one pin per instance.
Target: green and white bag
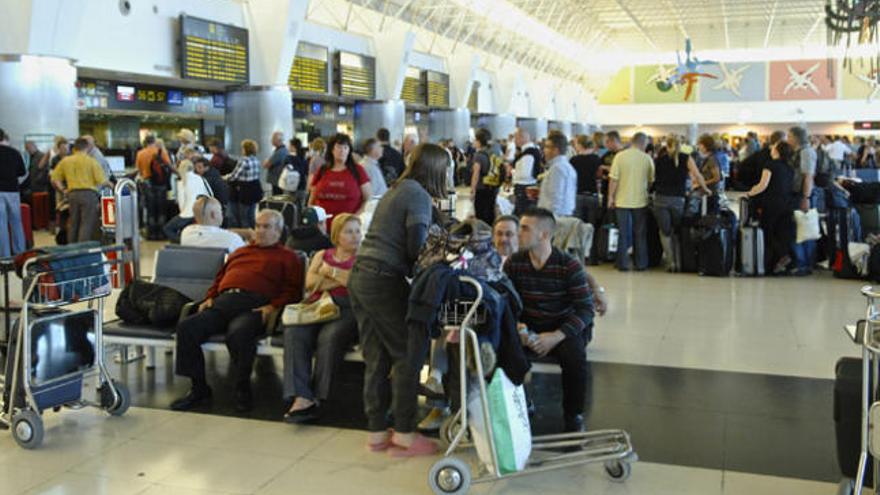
(510, 424)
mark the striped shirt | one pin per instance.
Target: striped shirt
(556, 297)
(246, 170)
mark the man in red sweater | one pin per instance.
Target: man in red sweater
(256, 280)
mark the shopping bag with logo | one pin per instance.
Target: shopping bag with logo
(510, 424)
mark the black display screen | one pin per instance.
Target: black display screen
(212, 51)
(356, 75)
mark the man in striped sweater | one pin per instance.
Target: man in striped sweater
(557, 307)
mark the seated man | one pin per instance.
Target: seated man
(206, 232)
(505, 236)
(256, 280)
(311, 237)
(557, 307)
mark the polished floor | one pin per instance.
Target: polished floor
(725, 384)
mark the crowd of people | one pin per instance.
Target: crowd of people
(372, 270)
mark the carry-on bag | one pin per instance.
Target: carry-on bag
(751, 242)
(869, 214)
(848, 417)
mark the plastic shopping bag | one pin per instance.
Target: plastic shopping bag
(510, 424)
(807, 225)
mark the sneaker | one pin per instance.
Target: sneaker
(433, 385)
(434, 419)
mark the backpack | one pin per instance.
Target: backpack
(495, 176)
(289, 179)
(159, 172)
(537, 166)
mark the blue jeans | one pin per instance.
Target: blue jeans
(632, 224)
(10, 223)
(175, 226)
(242, 215)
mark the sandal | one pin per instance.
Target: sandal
(381, 446)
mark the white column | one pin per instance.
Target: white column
(393, 48)
(462, 67)
(274, 30)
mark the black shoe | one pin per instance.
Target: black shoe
(575, 424)
(192, 400)
(244, 400)
(303, 415)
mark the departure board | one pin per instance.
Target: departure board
(213, 52)
(413, 88)
(437, 88)
(356, 75)
(309, 69)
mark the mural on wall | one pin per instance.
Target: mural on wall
(802, 80)
(619, 89)
(687, 72)
(649, 86)
(860, 82)
(736, 82)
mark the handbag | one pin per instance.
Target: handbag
(807, 225)
(320, 311)
(289, 179)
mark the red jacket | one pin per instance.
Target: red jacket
(274, 272)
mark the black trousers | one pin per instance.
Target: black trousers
(484, 204)
(233, 315)
(571, 354)
(779, 230)
(155, 200)
(393, 353)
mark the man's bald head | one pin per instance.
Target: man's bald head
(208, 211)
(522, 137)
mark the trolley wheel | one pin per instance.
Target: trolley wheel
(449, 428)
(618, 471)
(119, 407)
(450, 476)
(27, 429)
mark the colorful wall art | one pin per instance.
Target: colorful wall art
(619, 89)
(646, 90)
(735, 82)
(802, 80)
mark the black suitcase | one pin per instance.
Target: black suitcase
(848, 417)
(655, 247)
(687, 248)
(716, 244)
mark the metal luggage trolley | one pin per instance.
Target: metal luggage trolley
(452, 475)
(56, 356)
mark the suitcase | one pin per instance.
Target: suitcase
(655, 247)
(40, 206)
(606, 243)
(848, 417)
(751, 243)
(288, 209)
(687, 249)
(868, 174)
(715, 246)
(869, 215)
(843, 227)
(27, 226)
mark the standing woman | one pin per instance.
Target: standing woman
(340, 185)
(711, 170)
(772, 193)
(484, 196)
(671, 171)
(379, 295)
(244, 187)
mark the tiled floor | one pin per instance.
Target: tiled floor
(154, 452)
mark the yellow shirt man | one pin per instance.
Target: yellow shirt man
(633, 170)
(80, 172)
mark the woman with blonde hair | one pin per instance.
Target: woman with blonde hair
(672, 168)
(327, 342)
(245, 190)
(189, 188)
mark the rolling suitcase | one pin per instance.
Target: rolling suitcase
(607, 243)
(848, 417)
(655, 247)
(869, 214)
(716, 241)
(751, 243)
(27, 226)
(40, 205)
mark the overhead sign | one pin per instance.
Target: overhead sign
(413, 87)
(866, 126)
(97, 94)
(437, 88)
(355, 75)
(309, 69)
(212, 51)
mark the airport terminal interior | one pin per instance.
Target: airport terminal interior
(439, 247)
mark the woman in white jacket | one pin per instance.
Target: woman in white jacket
(190, 186)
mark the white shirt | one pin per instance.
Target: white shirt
(210, 236)
(836, 150)
(559, 187)
(377, 180)
(523, 171)
(186, 195)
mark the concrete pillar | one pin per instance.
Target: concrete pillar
(498, 125)
(452, 124)
(462, 67)
(370, 116)
(537, 127)
(255, 112)
(563, 127)
(37, 98)
(275, 28)
(693, 132)
(392, 60)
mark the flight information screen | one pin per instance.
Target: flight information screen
(437, 88)
(413, 88)
(212, 51)
(309, 69)
(356, 75)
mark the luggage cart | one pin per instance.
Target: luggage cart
(56, 355)
(451, 475)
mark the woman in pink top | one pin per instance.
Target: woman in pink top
(327, 342)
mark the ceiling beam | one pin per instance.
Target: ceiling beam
(725, 20)
(812, 30)
(638, 24)
(770, 23)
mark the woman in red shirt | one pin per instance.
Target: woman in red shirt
(340, 185)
